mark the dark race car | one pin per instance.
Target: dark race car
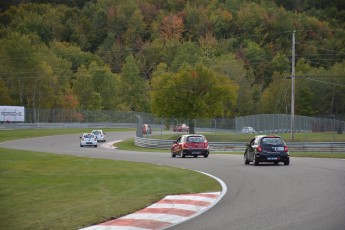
(265, 148)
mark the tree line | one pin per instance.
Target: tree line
(182, 58)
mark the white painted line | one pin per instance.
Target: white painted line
(157, 217)
(178, 206)
(103, 227)
(197, 198)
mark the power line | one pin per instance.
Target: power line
(312, 77)
(328, 50)
(325, 82)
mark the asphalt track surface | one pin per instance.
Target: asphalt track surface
(307, 194)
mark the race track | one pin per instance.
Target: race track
(307, 194)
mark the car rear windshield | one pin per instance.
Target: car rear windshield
(195, 139)
(272, 141)
(88, 136)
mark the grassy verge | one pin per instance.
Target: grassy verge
(334, 155)
(240, 137)
(48, 191)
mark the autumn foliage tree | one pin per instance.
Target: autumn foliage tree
(172, 27)
(193, 92)
(70, 103)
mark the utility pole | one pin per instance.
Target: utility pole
(293, 88)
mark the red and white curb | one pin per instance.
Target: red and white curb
(171, 210)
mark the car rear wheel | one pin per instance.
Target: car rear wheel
(246, 161)
(255, 161)
(173, 154)
(183, 154)
(205, 155)
(287, 162)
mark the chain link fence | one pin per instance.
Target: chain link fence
(261, 123)
(281, 123)
(82, 116)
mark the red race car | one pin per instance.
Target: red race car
(190, 144)
(181, 128)
(146, 129)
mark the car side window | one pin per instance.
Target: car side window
(256, 141)
(178, 140)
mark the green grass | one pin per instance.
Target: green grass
(49, 191)
(334, 155)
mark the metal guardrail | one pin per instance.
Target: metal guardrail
(227, 146)
(317, 147)
(166, 144)
(152, 143)
(240, 146)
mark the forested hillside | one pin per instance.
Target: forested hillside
(218, 58)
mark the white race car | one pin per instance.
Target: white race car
(101, 137)
(88, 139)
